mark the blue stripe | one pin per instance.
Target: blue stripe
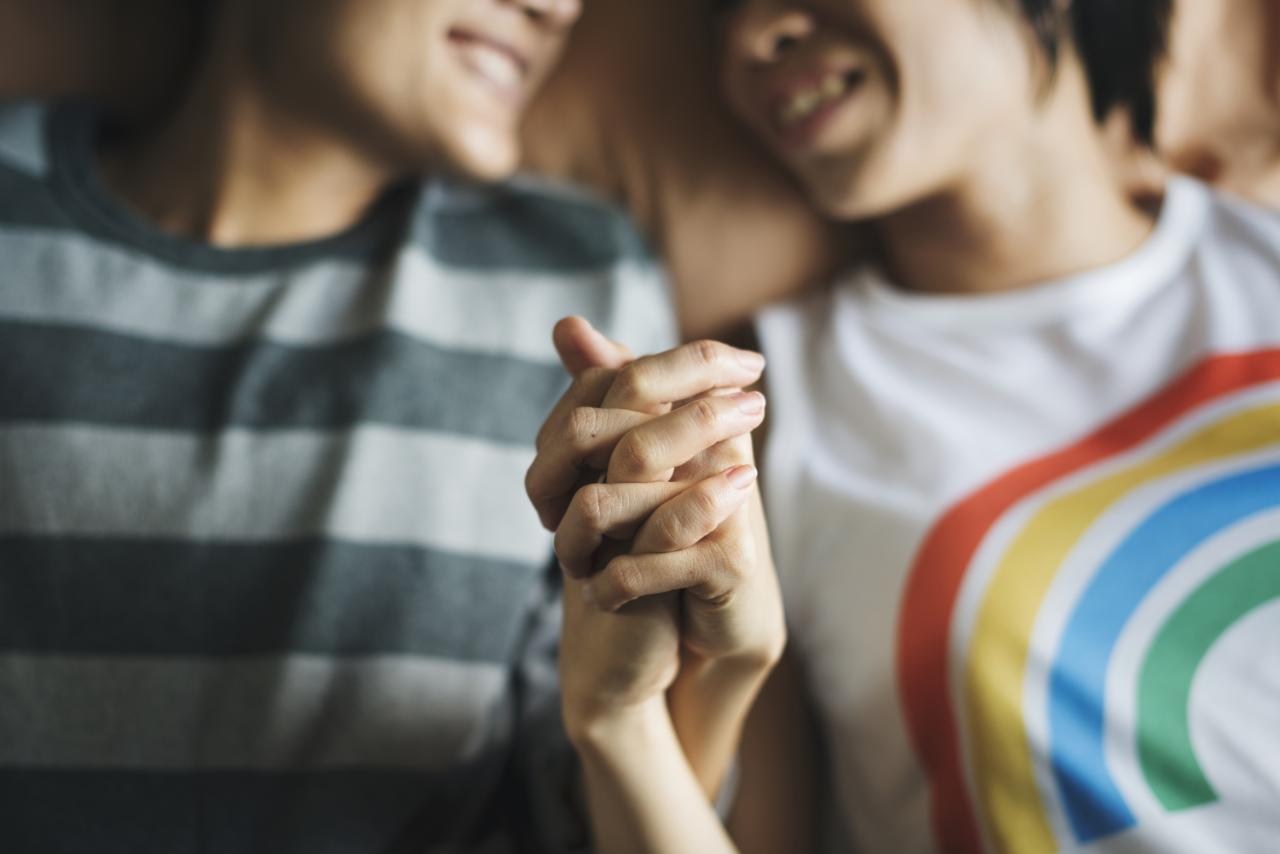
(1077, 684)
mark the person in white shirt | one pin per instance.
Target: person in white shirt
(1023, 470)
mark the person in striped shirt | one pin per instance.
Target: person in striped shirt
(271, 369)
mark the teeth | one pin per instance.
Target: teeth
(499, 67)
(805, 102)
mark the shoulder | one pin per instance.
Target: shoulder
(1240, 244)
(528, 223)
(555, 235)
(1232, 218)
(27, 194)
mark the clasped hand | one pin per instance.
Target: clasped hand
(645, 471)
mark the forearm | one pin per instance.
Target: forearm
(709, 704)
(711, 699)
(642, 794)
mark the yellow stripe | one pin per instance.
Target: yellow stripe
(1003, 767)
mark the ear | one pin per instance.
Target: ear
(581, 347)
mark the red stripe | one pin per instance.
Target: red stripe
(934, 582)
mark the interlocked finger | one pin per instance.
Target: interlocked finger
(587, 389)
(585, 439)
(655, 448)
(651, 383)
(711, 570)
(694, 514)
(601, 511)
(722, 456)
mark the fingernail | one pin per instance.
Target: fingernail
(749, 402)
(751, 360)
(742, 477)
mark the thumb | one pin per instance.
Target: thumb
(581, 347)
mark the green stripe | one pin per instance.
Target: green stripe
(1165, 750)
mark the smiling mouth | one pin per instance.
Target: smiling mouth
(806, 103)
(502, 67)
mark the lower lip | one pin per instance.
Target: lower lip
(805, 133)
(464, 43)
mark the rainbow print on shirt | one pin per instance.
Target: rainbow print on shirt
(1056, 621)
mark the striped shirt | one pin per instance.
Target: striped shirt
(268, 578)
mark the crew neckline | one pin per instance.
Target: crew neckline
(1156, 261)
(72, 132)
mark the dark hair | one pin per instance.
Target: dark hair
(1120, 42)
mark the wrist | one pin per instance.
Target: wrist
(722, 687)
(709, 704)
(596, 730)
(746, 653)
(745, 666)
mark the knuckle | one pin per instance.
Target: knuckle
(706, 352)
(583, 425)
(670, 532)
(595, 506)
(532, 483)
(544, 433)
(632, 382)
(735, 557)
(632, 455)
(704, 505)
(560, 545)
(623, 580)
(704, 413)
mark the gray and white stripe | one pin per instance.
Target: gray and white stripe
(295, 712)
(364, 486)
(22, 142)
(268, 578)
(56, 278)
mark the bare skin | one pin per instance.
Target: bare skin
(301, 114)
(634, 112)
(685, 584)
(262, 178)
(1220, 112)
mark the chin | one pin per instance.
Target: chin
(842, 199)
(850, 207)
(856, 190)
(484, 155)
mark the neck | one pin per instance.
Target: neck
(1220, 111)
(1046, 205)
(232, 168)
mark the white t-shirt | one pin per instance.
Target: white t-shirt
(1030, 546)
